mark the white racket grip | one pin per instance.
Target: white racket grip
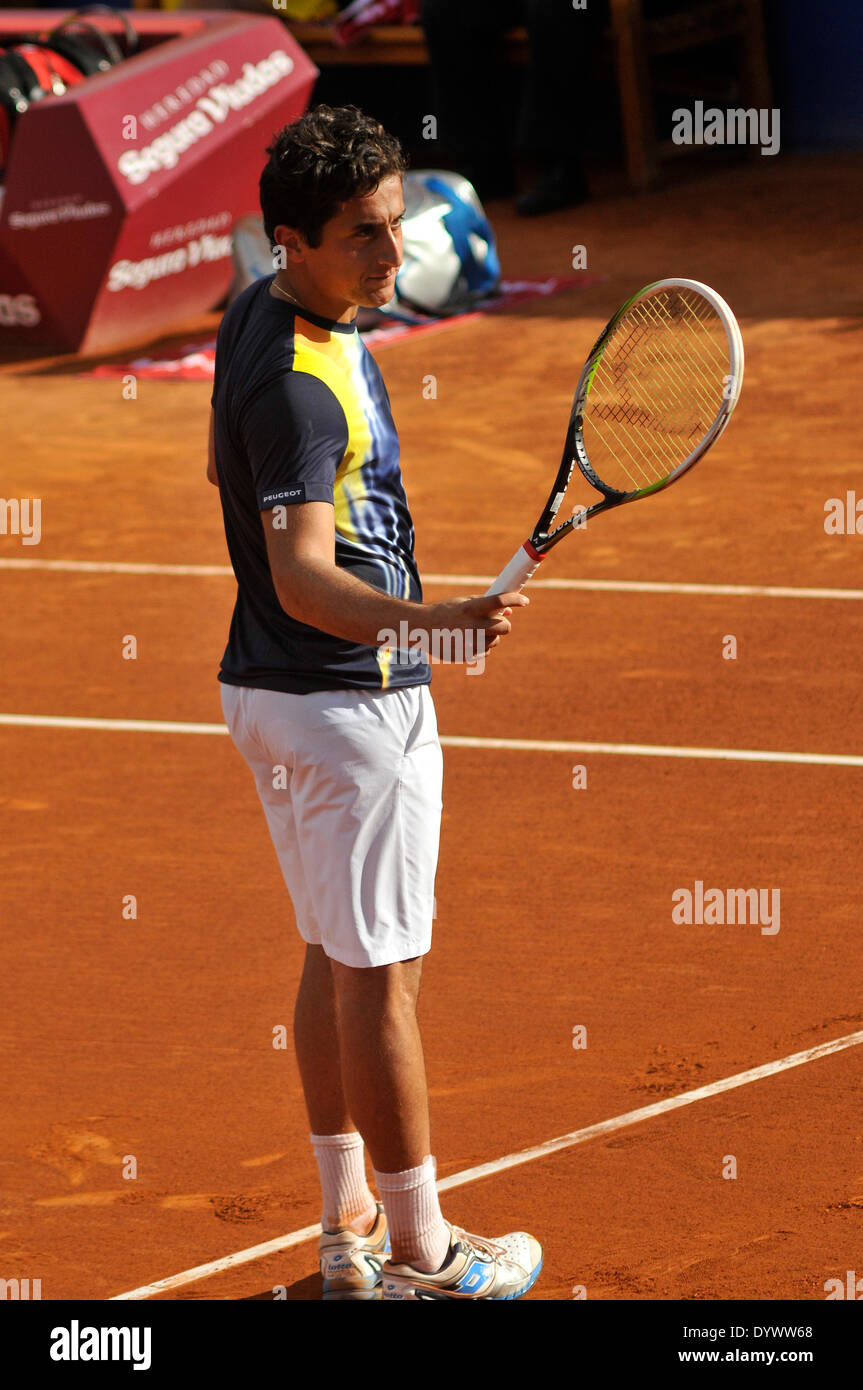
(524, 563)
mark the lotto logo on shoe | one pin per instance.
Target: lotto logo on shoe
(476, 1277)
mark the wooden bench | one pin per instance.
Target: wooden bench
(638, 39)
(397, 44)
(632, 41)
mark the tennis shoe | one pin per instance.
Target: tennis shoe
(351, 1264)
(500, 1269)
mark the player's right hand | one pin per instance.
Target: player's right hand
(486, 617)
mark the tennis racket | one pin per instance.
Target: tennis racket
(656, 391)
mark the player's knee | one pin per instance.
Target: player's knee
(390, 989)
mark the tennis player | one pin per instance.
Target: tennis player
(338, 729)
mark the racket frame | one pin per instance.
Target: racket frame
(545, 534)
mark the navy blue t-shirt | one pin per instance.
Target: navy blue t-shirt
(302, 415)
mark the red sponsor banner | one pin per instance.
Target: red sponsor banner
(121, 194)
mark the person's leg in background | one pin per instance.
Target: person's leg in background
(556, 108)
(475, 123)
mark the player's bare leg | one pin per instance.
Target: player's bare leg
(348, 1203)
(383, 1070)
(383, 1058)
(316, 1039)
(384, 1082)
(361, 1062)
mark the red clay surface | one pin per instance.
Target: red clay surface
(153, 1037)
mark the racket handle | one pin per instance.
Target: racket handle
(524, 563)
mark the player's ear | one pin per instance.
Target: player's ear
(291, 243)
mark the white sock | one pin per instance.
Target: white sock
(417, 1229)
(347, 1196)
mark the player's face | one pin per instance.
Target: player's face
(361, 250)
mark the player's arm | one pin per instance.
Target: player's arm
(212, 475)
(295, 432)
(310, 587)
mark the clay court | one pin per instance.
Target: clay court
(153, 1037)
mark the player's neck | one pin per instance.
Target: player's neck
(306, 297)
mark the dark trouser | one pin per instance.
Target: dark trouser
(474, 117)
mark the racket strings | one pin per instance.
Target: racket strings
(676, 387)
(656, 389)
(697, 365)
(642, 460)
(693, 366)
(682, 375)
(615, 378)
(624, 424)
(695, 371)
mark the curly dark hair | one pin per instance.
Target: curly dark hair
(330, 155)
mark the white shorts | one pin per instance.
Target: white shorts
(350, 781)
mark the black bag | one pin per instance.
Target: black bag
(47, 64)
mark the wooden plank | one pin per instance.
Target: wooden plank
(756, 72)
(702, 24)
(636, 98)
(385, 44)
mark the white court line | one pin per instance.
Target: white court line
(499, 1165)
(637, 586)
(621, 586)
(655, 750)
(133, 726)
(242, 1257)
(113, 567)
(519, 745)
